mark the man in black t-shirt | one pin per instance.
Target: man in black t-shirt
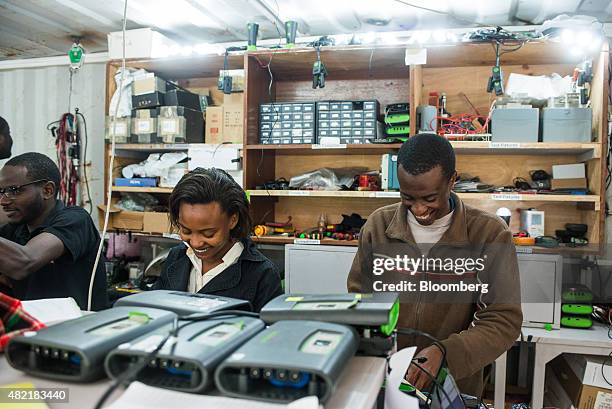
(47, 250)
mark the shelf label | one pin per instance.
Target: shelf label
(504, 145)
(524, 249)
(306, 241)
(507, 196)
(299, 193)
(169, 126)
(143, 126)
(388, 194)
(120, 129)
(330, 146)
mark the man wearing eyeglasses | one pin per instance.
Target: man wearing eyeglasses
(47, 250)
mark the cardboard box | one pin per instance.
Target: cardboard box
(580, 183)
(572, 171)
(177, 124)
(121, 219)
(149, 84)
(214, 125)
(156, 222)
(588, 368)
(177, 97)
(582, 396)
(233, 118)
(139, 43)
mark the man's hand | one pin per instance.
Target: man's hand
(415, 376)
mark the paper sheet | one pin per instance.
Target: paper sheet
(394, 398)
(141, 396)
(214, 156)
(52, 310)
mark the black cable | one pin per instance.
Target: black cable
(86, 137)
(129, 375)
(445, 13)
(435, 381)
(436, 342)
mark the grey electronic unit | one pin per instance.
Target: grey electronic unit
(183, 303)
(188, 365)
(426, 118)
(287, 361)
(566, 124)
(374, 316)
(515, 125)
(75, 350)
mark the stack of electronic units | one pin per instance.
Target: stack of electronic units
(287, 123)
(164, 113)
(397, 120)
(577, 307)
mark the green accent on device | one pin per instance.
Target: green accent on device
(397, 118)
(548, 326)
(374, 316)
(407, 388)
(577, 296)
(398, 130)
(139, 316)
(387, 329)
(576, 322)
(577, 309)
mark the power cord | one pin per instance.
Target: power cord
(111, 164)
(439, 386)
(86, 138)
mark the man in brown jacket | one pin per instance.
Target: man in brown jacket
(429, 244)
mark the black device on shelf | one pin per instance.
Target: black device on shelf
(287, 123)
(350, 121)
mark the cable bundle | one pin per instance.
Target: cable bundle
(68, 147)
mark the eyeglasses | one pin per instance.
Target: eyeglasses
(12, 191)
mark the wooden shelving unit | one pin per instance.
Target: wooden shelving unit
(134, 189)
(364, 72)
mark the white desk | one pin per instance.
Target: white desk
(358, 386)
(549, 345)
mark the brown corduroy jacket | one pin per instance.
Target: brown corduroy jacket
(474, 332)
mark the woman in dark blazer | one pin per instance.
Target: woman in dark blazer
(211, 213)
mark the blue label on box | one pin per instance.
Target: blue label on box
(136, 182)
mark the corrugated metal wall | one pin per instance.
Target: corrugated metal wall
(32, 98)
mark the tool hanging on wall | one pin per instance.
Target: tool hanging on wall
(225, 82)
(319, 72)
(76, 54)
(496, 80)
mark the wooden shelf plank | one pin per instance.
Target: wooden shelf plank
(134, 189)
(158, 147)
(292, 240)
(288, 63)
(306, 149)
(588, 150)
(178, 67)
(518, 197)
